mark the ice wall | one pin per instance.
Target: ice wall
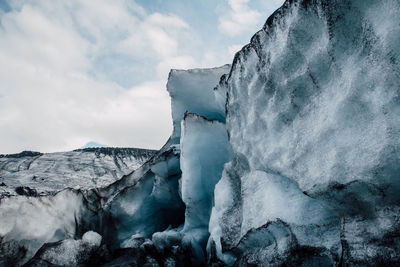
(308, 119)
(143, 206)
(27, 223)
(192, 91)
(313, 111)
(204, 151)
(152, 200)
(146, 201)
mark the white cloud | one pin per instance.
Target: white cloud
(239, 19)
(160, 31)
(71, 71)
(50, 102)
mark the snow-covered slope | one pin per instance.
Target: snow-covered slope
(33, 173)
(50, 197)
(29, 222)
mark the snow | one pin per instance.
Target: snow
(192, 91)
(83, 169)
(92, 144)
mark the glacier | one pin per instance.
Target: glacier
(170, 200)
(40, 174)
(47, 198)
(314, 123)
(68, 252)
(287, 157)
(192, 91)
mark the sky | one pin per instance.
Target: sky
(77, 71)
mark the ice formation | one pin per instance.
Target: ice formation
(68, 252)
(29, 222)
(288, 157)
(314, 122)
(204, 151)
(36, 173)
(148, 200)
(192, 91)
(50, 197)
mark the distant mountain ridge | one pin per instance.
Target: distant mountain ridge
(93, 144)
(81, 168)
(25, 153)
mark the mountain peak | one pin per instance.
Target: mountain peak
(92, 144)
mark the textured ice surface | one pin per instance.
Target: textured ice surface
(204, 151)
(37, 208)
(261, 198)
(314, 97)
(192, 91)
(267, 197)
(167, 238)
(133, 242)
(92, 238)
(28, 222)
(82, 168)
(68, 252)
(125, 207)
(146, 201)
(143, 202)
(313, 106)
(153, 202)
(313, 120)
